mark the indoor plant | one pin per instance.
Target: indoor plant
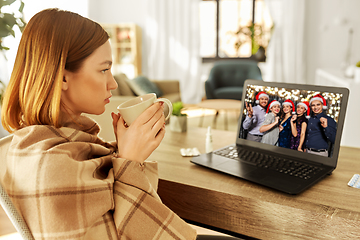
(257, 35)
(2, 90)
(178, 120)
(7, 23)
(9, 20)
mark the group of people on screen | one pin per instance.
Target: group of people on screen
(306, 127)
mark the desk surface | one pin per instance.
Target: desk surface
(328, 210)
(220, 104)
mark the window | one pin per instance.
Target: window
(233, 29)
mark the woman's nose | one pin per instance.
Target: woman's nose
(112, 84)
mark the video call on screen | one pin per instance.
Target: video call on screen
(315, 140)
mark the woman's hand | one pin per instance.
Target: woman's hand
(281, 127)
(277, 119)
(143, 136)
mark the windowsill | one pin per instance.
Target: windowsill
(215, 59)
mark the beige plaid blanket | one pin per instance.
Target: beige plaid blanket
(68, 184)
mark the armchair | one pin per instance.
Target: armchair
(227, 78)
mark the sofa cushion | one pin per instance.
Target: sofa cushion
(173, 97)
(123, 87)
(142, 85)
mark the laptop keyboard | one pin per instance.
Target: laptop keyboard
(286, 166)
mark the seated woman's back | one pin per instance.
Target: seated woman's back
(65, 181)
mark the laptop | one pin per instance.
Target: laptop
(275, 164)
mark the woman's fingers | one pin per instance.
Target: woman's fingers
(148, 115)
(120, 127)
(115, 118)
(158, 124)
(139, 140)
(160, 134)
(158, 120)
(121, 124)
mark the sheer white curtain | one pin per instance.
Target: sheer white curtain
(172, 45)
(285, 59)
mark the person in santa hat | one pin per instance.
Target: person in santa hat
(299, 122)
(270, 126)
(255, 117)
(288, 109)
(321, 128)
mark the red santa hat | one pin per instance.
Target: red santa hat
(273, 102)
(290, 103)
(319, 98)
(259, 95)
(306, 105)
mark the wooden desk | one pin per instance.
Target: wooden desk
(218, 105)
(328, 210)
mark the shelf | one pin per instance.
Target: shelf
(125, 40)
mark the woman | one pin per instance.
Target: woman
(285, 128)
(66, 181)
(298, 126)
(270, 127)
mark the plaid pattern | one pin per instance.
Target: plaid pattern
(68, 184)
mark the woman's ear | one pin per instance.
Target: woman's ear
(65, 82)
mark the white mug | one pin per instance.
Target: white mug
(132, 108)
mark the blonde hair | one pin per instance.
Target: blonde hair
(52, 41)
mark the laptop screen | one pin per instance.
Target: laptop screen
(302, 121)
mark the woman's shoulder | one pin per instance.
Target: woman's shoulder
(47, 136)
(41, 137)
(303, 120)
(270, 116)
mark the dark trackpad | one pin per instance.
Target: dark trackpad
(236, 168)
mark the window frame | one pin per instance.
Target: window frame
(217, 58)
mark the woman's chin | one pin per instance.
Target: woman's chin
(96, 111)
